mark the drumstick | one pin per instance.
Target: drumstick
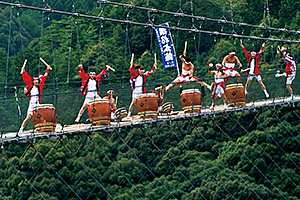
(109, 67)
(155, 58)
(132, 56)
(24, 64)
(116, 101)
(45, 63)
(185, 47)
(244, 70)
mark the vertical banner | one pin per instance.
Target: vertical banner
(166, 47)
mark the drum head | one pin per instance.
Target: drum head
(43, 106)
(146, 95)
(190, 91)
(98, 100)
(236, 85)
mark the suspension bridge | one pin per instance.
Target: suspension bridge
(168, 150)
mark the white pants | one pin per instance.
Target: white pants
(231, 73)
(290, 79)
(135, 93)
(31, 106)
(250, 77)
(89, 99)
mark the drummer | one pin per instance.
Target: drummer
(219, 87)
(89, 87)
(290, 70)
(112, 102)
(138, 80)
(229, 63)
(33, 89)
(187, 75)
(253, 68)
(160, 97)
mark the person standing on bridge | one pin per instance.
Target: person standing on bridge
(138, 81)
(112, 102)
(89, 87)
(253, 68)
(290, 70)
(187, 74)
(33, 89)
(228, 63)
(219, 86)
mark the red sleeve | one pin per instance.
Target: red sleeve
(246, 53)
(26, 78)
(132, 71)
(82, 74)
(101, 74)
(151, 72)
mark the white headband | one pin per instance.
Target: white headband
(253, 52)
(109, 91)
(231, 53)
(141, 70)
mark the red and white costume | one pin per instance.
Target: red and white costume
(253, 64)
(219, 88)
(89, 87)
(290, 69)
(186, 77)
(230, 70)
(138, 81)
(34, 93)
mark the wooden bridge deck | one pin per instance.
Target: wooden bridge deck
(135, 121)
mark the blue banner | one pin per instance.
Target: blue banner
(166, 47)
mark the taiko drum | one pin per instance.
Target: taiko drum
(99, 112)
(147, 105)
(44, 118)
(235, 94)
(191, 100)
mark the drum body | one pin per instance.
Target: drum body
(167, 107)
(235, 94)
(44, 118)
(147, 105)
(121, 113)
(191, 100)
(99, 112)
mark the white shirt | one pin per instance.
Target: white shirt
(92, 89)
(34, 94)
(252, 67)
(138, 84)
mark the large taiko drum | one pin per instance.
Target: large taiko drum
(167, 107)
(121, 113)
(44, 118)
(99, 112)
(235, 94)
(191, 100)
(147, 105)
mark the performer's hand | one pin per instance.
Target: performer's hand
(155, 64)
(242, 70)
(241, 43)
(211, 65)
(49, 67)
(263, 44)
(184, 53)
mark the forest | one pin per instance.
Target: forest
(252, 155)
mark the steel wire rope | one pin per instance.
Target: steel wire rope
(54, 170)
(127, 42)
(256, 119)
(42, 30)
(252, 162)
(148, 169)
(173, 164)
(202, 18)
(84, 167)
(116, 166)
(282, 171)
(8, 50)
(14, 167)
(195, 128)
(20, 30)
(142, 24)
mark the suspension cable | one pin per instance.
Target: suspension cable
(8, 50)
(147, 24)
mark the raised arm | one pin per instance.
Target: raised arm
(223, 62)
(152, 70)
(262, 47)
(81, 73)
